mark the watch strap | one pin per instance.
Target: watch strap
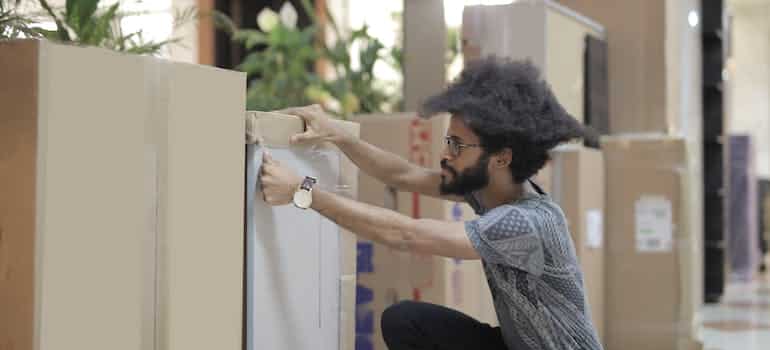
(308, 183)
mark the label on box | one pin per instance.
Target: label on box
(654, 224)
(594, 229)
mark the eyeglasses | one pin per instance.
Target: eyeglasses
(456, 147)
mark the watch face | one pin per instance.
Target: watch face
(303, 199)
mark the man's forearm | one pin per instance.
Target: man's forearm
(371, 222)
(383, 165)
(398, 231)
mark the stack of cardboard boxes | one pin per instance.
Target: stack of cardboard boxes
(652, 260)
(386, 276)
(121, 201)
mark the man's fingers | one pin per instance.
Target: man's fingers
(299, 138)
(267, 158)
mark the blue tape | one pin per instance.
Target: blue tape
(365, 257)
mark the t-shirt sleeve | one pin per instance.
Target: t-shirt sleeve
(506, 236)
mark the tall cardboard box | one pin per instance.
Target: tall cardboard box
(121, 201)
(637, 44)
(300, 265)
(548, 34)
(652, 260)
(386, 276)
(574, 178)
(425, 43)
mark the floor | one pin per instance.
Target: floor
(741, 320)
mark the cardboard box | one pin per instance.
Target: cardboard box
(425, 45)
(653, 259)
(574, 178)
(638, 69)
(386, 276)
(551, 36)
(300, 266)
(115, 170)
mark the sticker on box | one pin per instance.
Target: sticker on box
(594, 228)
(654, 224)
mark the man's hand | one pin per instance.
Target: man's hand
(318, 126)
(278, 182)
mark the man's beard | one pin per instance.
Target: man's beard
(470, 180)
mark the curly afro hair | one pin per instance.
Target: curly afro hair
(508, 105)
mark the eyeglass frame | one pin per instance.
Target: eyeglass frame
(460, 146)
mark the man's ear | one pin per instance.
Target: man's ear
(502, 159)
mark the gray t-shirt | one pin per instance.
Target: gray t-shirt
(533, 273)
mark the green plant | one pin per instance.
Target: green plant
(84, 22)
(356, 87)
(13, 24)
(282, 72)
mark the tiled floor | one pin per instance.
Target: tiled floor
(742, 320)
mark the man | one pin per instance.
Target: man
(504, 121)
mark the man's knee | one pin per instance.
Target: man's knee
(397, 319)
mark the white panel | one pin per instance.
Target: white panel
(293, 272)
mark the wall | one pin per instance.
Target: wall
(748, 72)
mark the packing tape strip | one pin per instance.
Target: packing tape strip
(154, 129)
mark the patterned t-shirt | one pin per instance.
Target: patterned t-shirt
(533, 273)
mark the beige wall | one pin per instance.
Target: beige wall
(748, 88)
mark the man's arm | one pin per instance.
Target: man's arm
(425, 236)
(392, 169)
(385, 166)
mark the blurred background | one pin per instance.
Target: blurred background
(689, 73)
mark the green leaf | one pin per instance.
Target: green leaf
(250, 37)
(63, 35)
(100, 29)
(223, 22)
(80, 12)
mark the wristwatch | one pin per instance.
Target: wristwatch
(303, 198)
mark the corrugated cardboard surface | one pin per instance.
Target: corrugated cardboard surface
(90, 131)
(651, 301)
(92, 199)
(74, 267)
(386, 276)
(548, 35)
(564, 56)
(424, 45)
(575, 180)
(637, 65)
(497, 30)
(18, 168)
(201, 186)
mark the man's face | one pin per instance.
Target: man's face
(465, 168)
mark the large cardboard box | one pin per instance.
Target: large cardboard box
(638, 64)
(121, 201)
(386, 276)
(300, 286)
(653, 259)
(574, 178)
(551, 36)
(425, 46)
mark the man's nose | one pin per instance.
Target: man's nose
(446, 154)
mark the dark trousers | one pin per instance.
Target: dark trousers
(411, 325)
